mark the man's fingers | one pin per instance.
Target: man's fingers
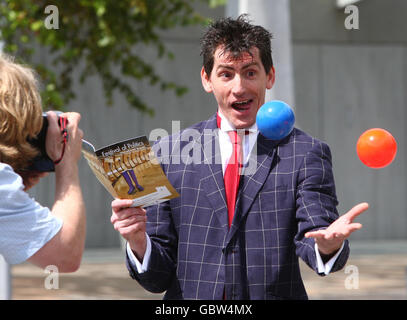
(127, 213)
(119, 204)
(355, 211)
(329, 235)
(354, 227)
(127, 232)
(316, 234)
(122, 211)
(130, 221)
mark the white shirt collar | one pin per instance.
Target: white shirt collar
(248, 142)
(227, 126)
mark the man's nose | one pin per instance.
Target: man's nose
(238, 85)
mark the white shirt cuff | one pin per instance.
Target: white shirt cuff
(326, 268)
(141, 267)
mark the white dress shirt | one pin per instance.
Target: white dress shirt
(248, 142)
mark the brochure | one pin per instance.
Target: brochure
(130, 170)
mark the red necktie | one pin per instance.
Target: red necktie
(232, 172)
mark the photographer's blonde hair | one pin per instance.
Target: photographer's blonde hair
(20, 113)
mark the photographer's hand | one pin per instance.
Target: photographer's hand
(66, 248)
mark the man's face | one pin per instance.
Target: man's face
(239, 85)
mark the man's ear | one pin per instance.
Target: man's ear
(206, 81)
(271, 77)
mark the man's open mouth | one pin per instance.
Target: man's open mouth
(242, 105)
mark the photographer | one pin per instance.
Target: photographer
(29, 231)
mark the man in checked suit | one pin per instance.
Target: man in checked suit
(285, 203)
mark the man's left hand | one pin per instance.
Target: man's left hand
(330, 240)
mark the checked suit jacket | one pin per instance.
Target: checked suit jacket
(286, 189)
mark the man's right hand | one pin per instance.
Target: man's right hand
(130, 222)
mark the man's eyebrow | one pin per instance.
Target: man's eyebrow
(251, 64)
(248, 65)
(224, 66)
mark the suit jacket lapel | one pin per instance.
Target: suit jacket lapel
(211, 174)
(252, 180)
(254, 176)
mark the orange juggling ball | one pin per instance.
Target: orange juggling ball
(376, 148)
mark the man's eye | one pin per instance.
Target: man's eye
(251, 73)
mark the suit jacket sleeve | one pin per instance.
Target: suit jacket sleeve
(162, 264)
(316, 203)
(160, 228)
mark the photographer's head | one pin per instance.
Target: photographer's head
(41, 236)
(20, 113)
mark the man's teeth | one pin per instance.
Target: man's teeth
(241, 103)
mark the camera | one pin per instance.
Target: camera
(43, 163)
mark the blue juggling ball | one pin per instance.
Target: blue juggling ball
(275, 120)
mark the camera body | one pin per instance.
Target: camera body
(42, 163)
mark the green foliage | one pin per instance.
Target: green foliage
(101, 35)
(216, 3)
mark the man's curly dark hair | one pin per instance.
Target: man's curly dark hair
(237, 36)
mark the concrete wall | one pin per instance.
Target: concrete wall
(348, 81)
